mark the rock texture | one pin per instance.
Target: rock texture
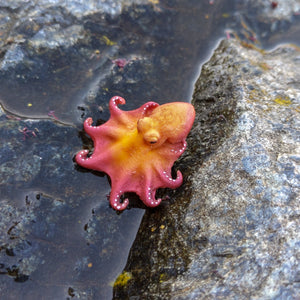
(232, 231)
(54, 218)
(268, 22)
(43, 43)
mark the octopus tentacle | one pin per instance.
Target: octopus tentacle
(169, 181)
(148, 108)
(89, 128)
(94, 131)
(122, 117)
(113, 105)
(148, 197)
(115, 199)
(83, 160)
(92, 161)
(179, 151)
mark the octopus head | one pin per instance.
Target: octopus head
(169, 122)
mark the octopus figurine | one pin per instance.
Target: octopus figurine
(138, 148)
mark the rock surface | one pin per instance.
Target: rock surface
(232, 231)
(44, 42)
(54, 218)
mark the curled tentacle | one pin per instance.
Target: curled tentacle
(148, 197)
(148, 108)
(171, 182)
(83, 160)
(115, 200)
(113, 105)
(117, 114)
(89, 128)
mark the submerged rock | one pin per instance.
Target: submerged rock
(55, 218)
(232, 230)
(78, 43)
(268, 22)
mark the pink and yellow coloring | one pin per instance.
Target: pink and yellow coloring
(138, 148)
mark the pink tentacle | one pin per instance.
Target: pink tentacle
(179, 150)
(148, 108)
(115, 199)
(122, 117)
(148, 197)
(83, 160)
(172, 182)
(113, 105)
(89, 128)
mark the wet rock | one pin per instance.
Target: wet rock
(269, 11)
(42, 45)
(264, 21)
(77, 8)
(231, 231)
(55, 218)
(26, 154)
(54, 37)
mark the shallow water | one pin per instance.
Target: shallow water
(174, 38)
(73, 243)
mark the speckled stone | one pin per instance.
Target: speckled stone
(246, 199)
(232, 230)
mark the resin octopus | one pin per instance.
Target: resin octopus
(137, 148)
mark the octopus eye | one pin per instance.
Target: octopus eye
(152, 136)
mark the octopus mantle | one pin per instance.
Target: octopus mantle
(137, 148)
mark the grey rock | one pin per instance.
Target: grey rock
(13, 56)
(54, 37)
(78, 8)
(284, 10)
(231, 232)
(43, 43)
(265, 21)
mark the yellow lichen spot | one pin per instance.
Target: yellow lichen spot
(225, 15)
(122, 279)
(162, 277)
(283, 101)
(154, 1)
(107, 41)
(90, 265)
(153, 229)
(29, 104)
(162, 226)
